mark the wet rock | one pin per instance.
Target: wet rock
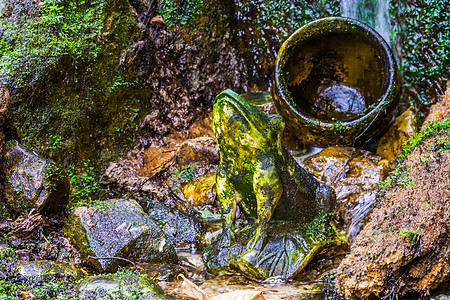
(201, 192)
(117, 228)
(405, 246)
(162, 272)
(34, 182)
(47, 269)
(354, 174)
(125, 174)
(120, 286)
(405, 127)
(135, 174)
(182, 229)
(177, 170)
(203, 150)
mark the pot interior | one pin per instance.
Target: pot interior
(337, 76)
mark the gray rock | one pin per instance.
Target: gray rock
(120, 286)
(182, 229)
(115, 229)
(34, 182)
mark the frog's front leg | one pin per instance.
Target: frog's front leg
(268, 189)
(228, 198)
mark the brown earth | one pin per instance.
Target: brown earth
(405, 247)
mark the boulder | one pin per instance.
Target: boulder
(181, 229)
(354, 174)
(34, 182)
(124, 285)
(117, 229)
(405, 246)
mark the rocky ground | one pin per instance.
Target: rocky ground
(404, 248)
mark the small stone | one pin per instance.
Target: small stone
(162, 272)
(201, 150)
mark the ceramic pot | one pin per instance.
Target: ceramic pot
(336, 82)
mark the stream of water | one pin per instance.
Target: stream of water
(374, 13)
(311, 284)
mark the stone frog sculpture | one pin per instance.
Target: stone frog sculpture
(257, 173)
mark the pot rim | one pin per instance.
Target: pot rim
(348, 22)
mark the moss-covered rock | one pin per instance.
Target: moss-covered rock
(34, 182)
(122, 285)
(61, 62)
(117, 229)
(45, 270)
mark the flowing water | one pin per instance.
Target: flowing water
(312, 284)
(374, 13)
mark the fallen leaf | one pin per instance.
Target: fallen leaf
(191, 291)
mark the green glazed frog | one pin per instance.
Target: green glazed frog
(257, 173)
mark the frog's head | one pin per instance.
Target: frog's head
(236, 121)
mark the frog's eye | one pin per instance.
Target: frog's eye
(277, 122)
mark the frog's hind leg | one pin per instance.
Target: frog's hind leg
(228, 199)
(268, 189)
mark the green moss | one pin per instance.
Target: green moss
(411, 235)
(401, 174)
(85, 188)
(423, 32)
(180, 11)
(58, 28)
(433, 128)
(53, 289)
